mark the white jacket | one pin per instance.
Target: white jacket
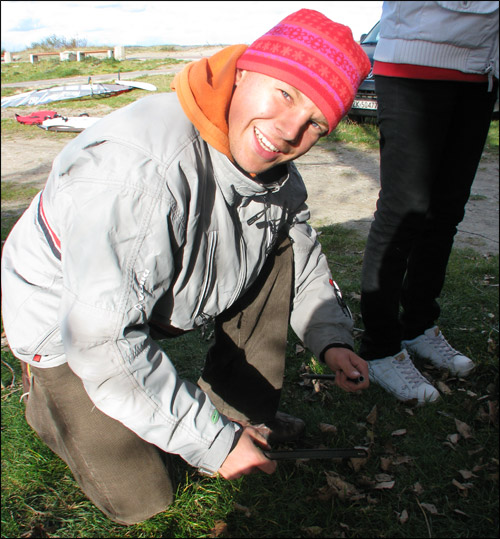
(143, 222)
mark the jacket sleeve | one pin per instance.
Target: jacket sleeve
(319, 316)
(119, 244)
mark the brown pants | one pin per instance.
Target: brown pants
(124, 476)
(243, 373)
(129, 479)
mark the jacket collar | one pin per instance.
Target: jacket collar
(235, 185)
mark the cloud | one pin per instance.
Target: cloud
(162, 23)
(132, 7)
(26, 25)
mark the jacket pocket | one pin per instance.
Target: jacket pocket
(480, 8)
(47, 343)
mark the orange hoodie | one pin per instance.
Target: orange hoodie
(205, 88)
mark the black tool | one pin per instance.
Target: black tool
(339, 453)
(313, 376)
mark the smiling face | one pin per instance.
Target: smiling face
(270, 122)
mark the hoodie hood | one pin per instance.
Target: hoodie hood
(205, 89)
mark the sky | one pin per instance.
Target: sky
(108, 23)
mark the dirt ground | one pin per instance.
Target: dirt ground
(342, 181)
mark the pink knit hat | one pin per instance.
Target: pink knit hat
(315, 55)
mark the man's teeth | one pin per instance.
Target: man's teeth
(264, 142)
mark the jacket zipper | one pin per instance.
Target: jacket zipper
(271, 227)
(202, 319)
(243, 271)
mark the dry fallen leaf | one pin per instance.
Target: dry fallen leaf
(384, 485)
(463, 429)
(312, 531)
(418, 488)
(219, 529)
(325, 493)
(453, 438)
(385, 463)
(482, 415)
(4, 343)
(357, 464)
(493, 412)
(326, 427)
(460, 512)
(383, 477)
(365, 481)
(403, 459)
(466, 474)
(372, 416)
(242, 509)
(443, 388)
(37, 531)
(463, 487)
(403, 517)
(458, 485)
(399, 432)
(430, 507)
(341, 488)
(479, 467)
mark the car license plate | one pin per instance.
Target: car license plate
(358, 104)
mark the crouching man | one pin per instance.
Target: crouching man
(179, 209)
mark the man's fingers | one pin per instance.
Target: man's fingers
(259, 435)
(269, 466)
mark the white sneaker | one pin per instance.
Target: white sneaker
(397, 375)
(434, 347)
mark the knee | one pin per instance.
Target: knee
(132, 508)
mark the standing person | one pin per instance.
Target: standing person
(434, 68)
(179, 209)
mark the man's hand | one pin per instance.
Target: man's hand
(246, 457)
(346, 364)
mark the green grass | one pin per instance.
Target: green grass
(24, 192)
(492, 141)
(40, 498)
(363, 135)
(40, 495)
(55, 69)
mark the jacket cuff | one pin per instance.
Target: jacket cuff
(219, 450)
(335, 345)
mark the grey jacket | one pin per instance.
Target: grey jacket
(451, 35)
(142, 222)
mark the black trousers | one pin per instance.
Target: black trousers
(432, 135)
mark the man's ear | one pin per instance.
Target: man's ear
(239, 75)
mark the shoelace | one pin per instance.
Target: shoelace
(410, 372)
(443, 346)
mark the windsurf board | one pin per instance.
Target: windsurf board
(71, 123)
(137, 84)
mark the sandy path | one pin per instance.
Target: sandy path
(342, 181)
